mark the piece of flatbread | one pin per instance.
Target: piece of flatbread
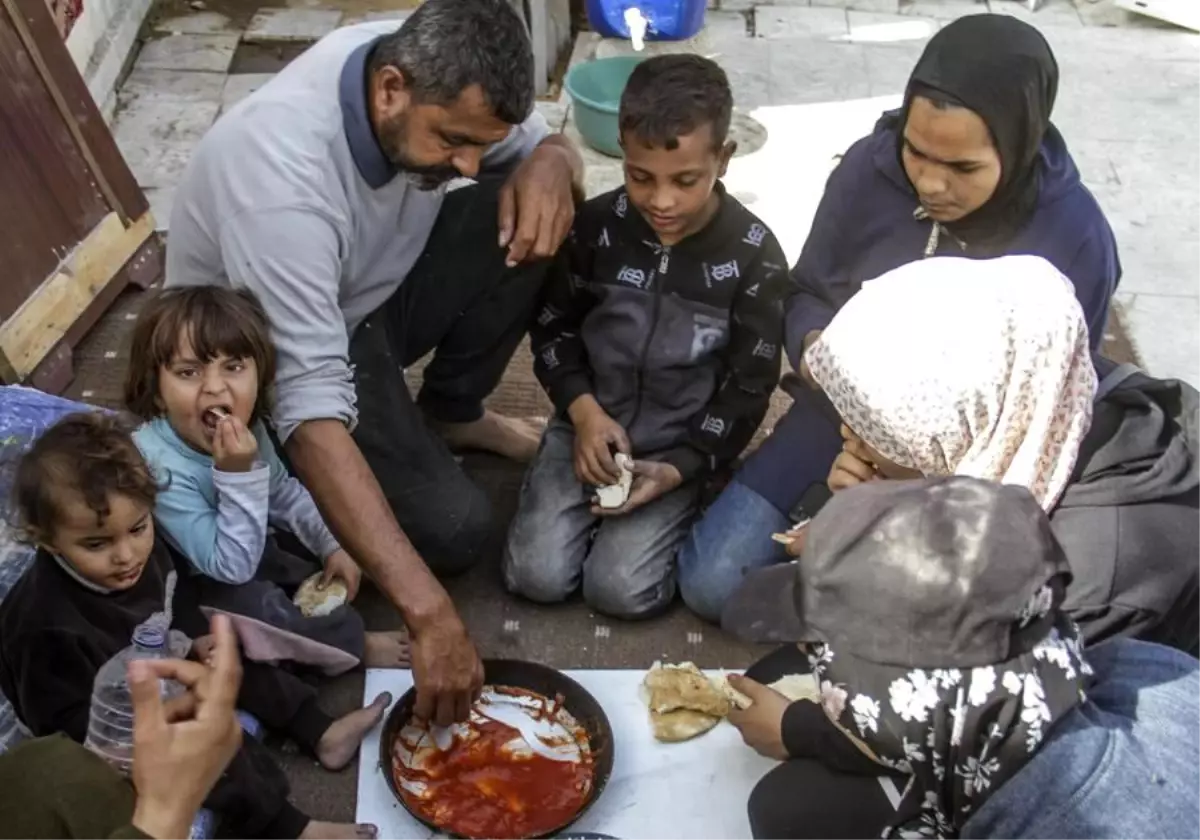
(798, 687)
(793, 687)
(615, 495)
(736, 699)
(684, 686)
(681, 724)
(315, 602)
(685, 702)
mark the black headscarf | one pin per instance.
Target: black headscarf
(1004, 71)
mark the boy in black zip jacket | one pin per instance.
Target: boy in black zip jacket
(659, 338)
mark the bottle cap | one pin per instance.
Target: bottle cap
(149, 636)
(152, 633)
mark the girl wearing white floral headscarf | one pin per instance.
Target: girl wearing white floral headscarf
(993, 378)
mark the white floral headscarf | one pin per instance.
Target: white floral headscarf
(957, 733)
(952, 366)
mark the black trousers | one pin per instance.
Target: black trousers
(251, 797)
(803, 797)
(463, 304)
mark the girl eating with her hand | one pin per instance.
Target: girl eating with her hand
(201, 368)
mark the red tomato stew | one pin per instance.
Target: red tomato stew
(479, 789)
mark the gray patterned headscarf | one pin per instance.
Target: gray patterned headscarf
(943, 652)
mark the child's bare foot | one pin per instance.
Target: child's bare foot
(318, 830)
(387, 650)
(515, 438)
(342, 739)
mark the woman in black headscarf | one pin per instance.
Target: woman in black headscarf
(980, 97)
(969, 166)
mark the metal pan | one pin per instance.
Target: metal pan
(545, 681)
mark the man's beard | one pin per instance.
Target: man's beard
(394, 141)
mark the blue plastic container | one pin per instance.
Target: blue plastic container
(670, 20)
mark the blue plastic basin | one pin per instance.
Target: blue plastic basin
(595, 90)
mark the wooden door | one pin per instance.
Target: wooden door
(75, 227)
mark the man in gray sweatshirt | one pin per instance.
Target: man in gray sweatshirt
(325, 194)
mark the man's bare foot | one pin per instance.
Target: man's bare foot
(515, 438)
(342, 739)
(386, 650)
(318, 830)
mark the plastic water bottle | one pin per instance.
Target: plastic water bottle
(110, 726)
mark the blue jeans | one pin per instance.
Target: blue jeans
(799, 451)
(734, 535)
(624, 564)
(1124, 764)
(732, 539)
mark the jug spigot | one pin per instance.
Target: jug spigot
(637, 24)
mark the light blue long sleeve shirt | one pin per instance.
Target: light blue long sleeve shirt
(219, 520)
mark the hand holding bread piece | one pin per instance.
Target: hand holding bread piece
(685, 702)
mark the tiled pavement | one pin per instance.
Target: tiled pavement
(813, 78)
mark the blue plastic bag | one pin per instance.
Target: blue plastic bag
(670, 20)
(24, 414)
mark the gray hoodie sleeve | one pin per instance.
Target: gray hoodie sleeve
(291, 260)
(293, 509)
(240, 526)
(518, 145)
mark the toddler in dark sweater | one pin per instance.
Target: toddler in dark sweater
(85, 497)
